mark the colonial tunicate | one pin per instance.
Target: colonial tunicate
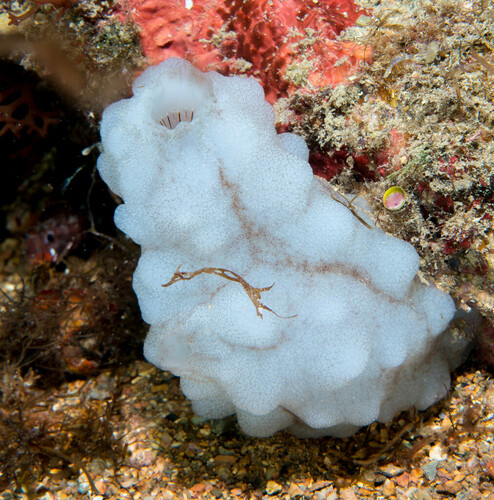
(265, 293)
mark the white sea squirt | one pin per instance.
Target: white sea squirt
(280, 304)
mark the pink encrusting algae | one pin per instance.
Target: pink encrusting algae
(286, 45)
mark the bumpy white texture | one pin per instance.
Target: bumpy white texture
(353, 336)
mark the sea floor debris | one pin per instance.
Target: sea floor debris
(150, 445)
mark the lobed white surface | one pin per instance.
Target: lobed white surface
(225, 190)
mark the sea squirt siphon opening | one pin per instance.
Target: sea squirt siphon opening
(180, 98)
(171, 120)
